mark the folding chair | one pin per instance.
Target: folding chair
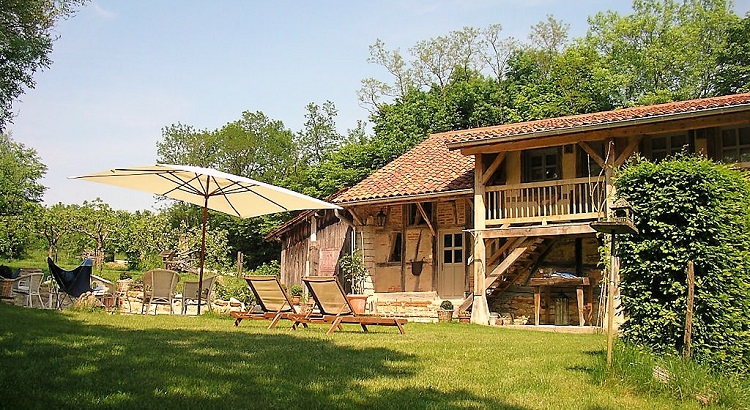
(71, 283)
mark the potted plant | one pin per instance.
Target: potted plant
(445, 313)
(296, 292)
(353, 268)
(464, 316)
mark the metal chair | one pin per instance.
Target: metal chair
(158, 289)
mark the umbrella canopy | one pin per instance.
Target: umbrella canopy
(210, 189)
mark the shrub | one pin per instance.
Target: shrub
(296, 290)
(446, 305)
(688, 209)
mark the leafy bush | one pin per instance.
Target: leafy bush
(688, 209)
(296, 289)
(446, 305)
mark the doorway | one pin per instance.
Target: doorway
(452, 275)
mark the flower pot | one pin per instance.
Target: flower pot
(295, 299)
(493, 319)
(358, 302)
(445, 315)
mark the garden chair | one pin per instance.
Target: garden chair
(158, 289)
(71, 283)
(335, 308)
(190, 293)
(28, 284)
(104, 292)
(121, 293)
(272, 300)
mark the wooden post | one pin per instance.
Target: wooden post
(480, 311)
(686, 350)
(240, 262)
(611, 301)
(537, 303)
(579, 298)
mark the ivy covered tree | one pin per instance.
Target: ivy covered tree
(688, 209)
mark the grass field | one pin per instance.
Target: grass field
(75, 359)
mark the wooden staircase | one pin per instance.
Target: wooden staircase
(523, 255)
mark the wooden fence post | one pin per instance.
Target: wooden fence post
(686, 350)
(240, 262)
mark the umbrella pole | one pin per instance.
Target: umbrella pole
(203, 251)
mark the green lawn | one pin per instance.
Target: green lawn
(53, 359)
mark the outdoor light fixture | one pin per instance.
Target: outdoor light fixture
(380, 218)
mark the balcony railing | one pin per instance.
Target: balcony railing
(549, 201)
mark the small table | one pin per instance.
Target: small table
(538, 283)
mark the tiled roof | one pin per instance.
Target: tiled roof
(428, 168)
(576, 123)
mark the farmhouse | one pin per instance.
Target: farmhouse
(497, 219)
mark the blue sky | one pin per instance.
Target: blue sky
(123, 70)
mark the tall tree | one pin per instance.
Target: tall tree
(26, 37)
(20, 194)
(733, 74)
(666, 50)
(319, 136)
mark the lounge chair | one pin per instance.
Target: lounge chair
(273, 302)
(71, 283)
(158, 289)
(335, 308)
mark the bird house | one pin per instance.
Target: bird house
(621, 219)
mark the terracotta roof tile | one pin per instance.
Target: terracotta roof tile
(428, 168)
(574, 122)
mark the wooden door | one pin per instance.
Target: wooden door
(452, 275)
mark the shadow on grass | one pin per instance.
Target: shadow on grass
(51, 360)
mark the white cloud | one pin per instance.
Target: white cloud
(102, 12)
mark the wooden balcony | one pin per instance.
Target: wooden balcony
(549, 201)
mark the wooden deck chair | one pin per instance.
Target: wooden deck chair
(272, 300)
(331, 299)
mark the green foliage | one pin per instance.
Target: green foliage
(446, 305)
(26, 30)
(352, 266)
(734, 59)
(688, 209)
(20, 194)
(685, 380)
(295, 290)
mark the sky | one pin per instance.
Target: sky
(124, 69)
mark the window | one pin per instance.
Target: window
(542, 165)
(667, 145)
(396, 241)
(735, 144)
(453, 248)
(415, 215)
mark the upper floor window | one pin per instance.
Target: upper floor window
(542, 164)
(735, 144)
(667, 145)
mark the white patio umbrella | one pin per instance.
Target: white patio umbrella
(211, 189)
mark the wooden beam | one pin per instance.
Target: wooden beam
(424, 216)
(503, 249)
(493, 167)
(355, 217)
(633, 143)
(549, 230)
(586, 147)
